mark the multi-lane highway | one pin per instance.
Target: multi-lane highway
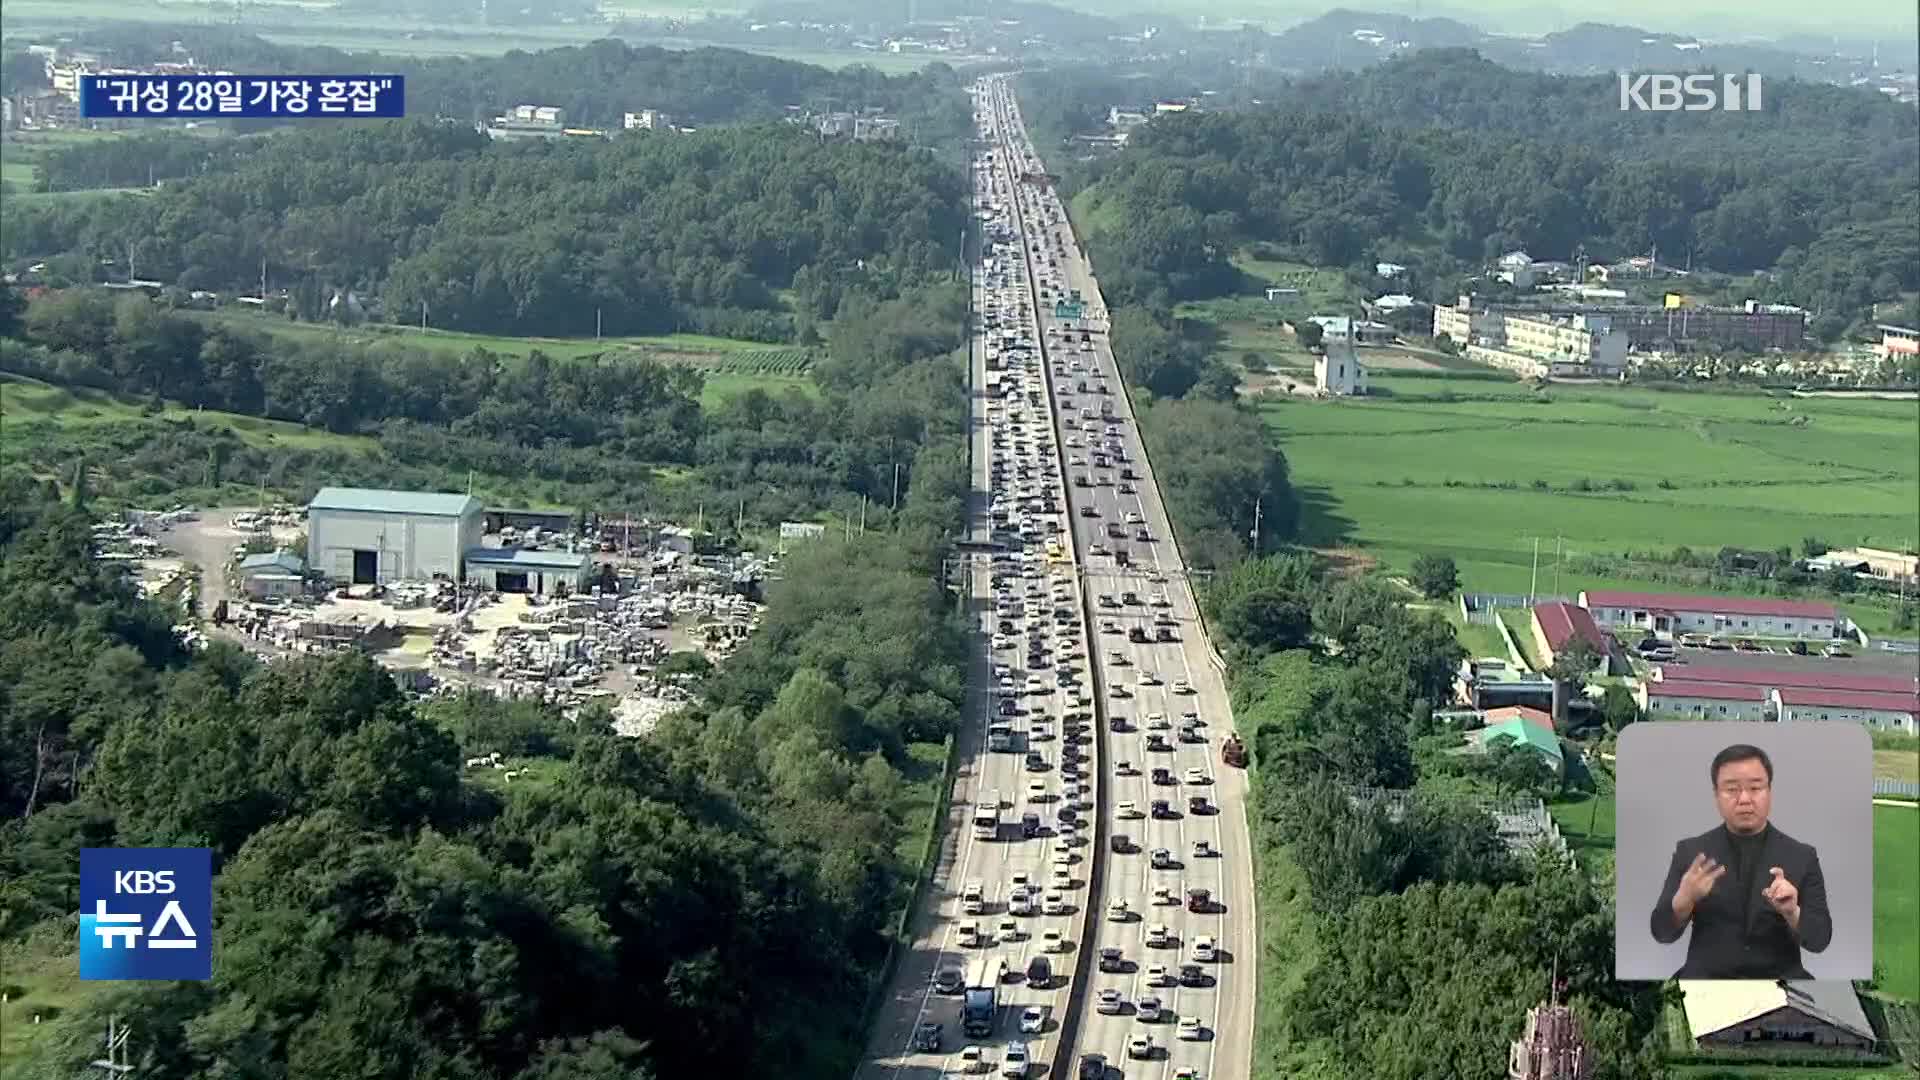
(1091, 790)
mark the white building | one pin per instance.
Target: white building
(1683, 699)
(520, 570)
(647, 120)
(363, 536)
(1585, 342)
(272, 573)
(1337, 372)
(1738, 616)
(1879, 711)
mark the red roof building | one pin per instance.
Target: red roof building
(1821, 680)
(1886, 712)
(1537, 717)
(1738, 616)
(1557, 624)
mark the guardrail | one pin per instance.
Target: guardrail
(1907, 789)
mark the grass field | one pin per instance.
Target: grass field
(1896, 900)
(20, 155)
(24, 402)
(731, 366)
(1478, 469)
(40, 976)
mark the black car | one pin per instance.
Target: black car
(1030, 825)
(1040, 972)
(926, 1037)
(1111, 961)
(1121, 843)
(950, 980)
(1093, 1067)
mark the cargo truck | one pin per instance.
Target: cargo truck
(980, 1002)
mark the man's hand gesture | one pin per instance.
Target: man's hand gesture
(1783, 897)
(1698, 881)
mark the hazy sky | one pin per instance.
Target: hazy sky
(1719, 19)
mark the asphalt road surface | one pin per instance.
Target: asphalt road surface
(1092, 689)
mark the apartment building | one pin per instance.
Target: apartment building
(1754, 326)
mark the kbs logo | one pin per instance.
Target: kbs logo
(146, 913)
(1688, 93)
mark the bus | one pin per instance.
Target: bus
(986, 817)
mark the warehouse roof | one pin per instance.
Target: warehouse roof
(1818, 679)
(527, 558)
(1521, 732)
(266, 562)
(1907, 702)
(377, 501)
(1718, 1004)
(1721, 605)
(1708, 691)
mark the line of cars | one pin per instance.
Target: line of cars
(1159, 947)
(1041, 708)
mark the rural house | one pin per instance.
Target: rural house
(1557, 625)
(1739, 616)
(1764, 1014)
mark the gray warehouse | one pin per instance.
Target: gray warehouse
(518, 570)
(364, 536)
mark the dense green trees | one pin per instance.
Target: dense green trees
(1421, 938)
(709, 899)
(1217, 468)
(644, 234)
(596, 424)
(1461, 160)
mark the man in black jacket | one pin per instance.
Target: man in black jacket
(1772, 902)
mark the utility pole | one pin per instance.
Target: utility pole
(1534, 582)
(596, 324)
(896, 485)
(1558, 547)
(1256, 524)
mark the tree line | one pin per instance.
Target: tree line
(596, 83)
(712, 897)
(601, 427)
(1447, 161)
(638, 235)
(1408, 940)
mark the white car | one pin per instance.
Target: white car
(1147, 1009)
(1110, 1002)
(1203, 949)
(1181, 686)
(1055, 904)
(1034, 1019)
(1119, 912)
(1157, 722)
(1196, 776)
(1052, 941)
(1139, 1047)
(1158, 975)
(1158, 935)
(1128, 811)
(1202, 849)
(1189, 1028)
(1149, 678)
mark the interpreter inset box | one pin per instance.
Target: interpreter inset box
(1744, 851)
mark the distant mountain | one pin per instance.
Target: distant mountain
(1344, 38)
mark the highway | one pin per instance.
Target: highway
(1109, 680)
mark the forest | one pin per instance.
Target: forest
(709, 900)
(1445, 161)
(1405, 944)
(595, 83)
(649, 233)
(598, 426)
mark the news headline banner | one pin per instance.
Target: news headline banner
(107, 97)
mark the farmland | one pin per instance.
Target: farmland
(1477, 469)
(731, 366)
